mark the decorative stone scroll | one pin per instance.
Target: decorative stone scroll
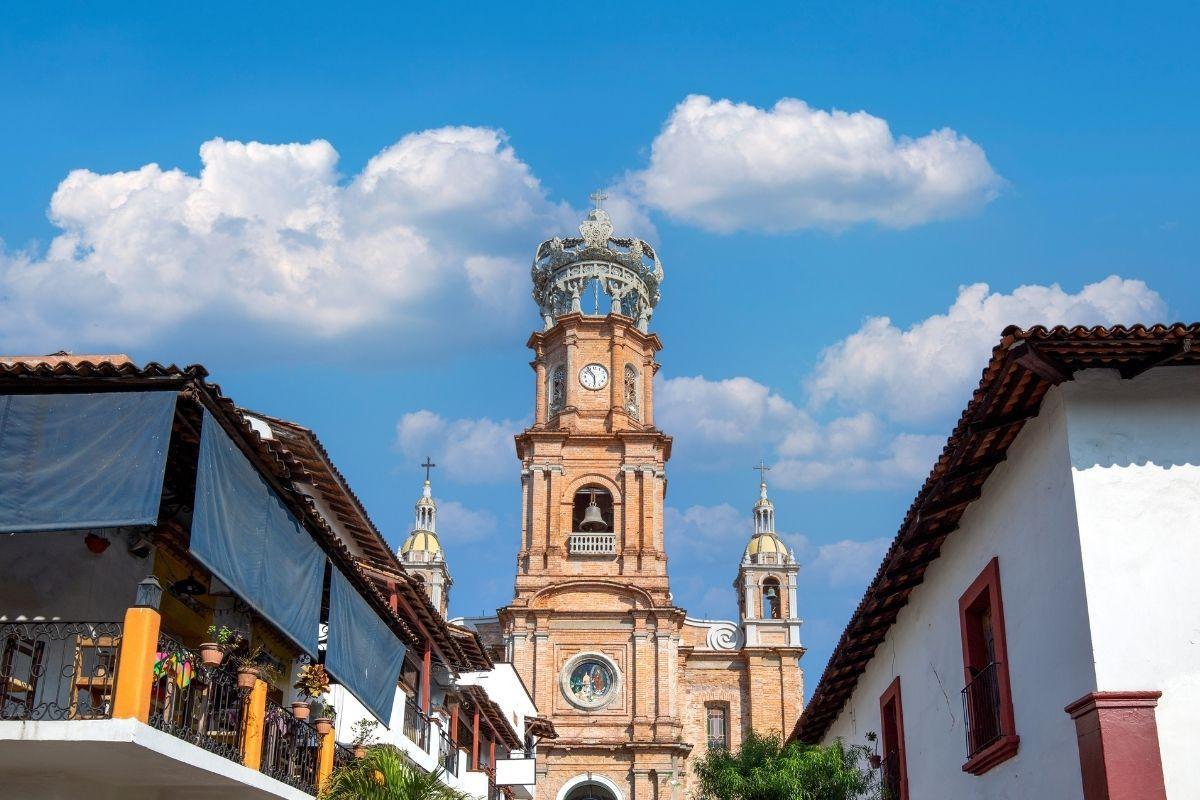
(722, 634)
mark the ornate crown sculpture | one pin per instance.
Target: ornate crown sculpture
(627, 270)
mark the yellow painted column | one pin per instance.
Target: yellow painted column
(135, 669)
(256, 713)
(325, 760)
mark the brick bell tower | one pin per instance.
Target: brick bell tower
(592, 628)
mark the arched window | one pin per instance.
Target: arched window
(632, 406)
(585, 518)
(558, 388)
(772, 602)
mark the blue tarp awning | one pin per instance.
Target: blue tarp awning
(242, 531)
(362, 652)
(71, 461)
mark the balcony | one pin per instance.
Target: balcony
(592, 544)
(58, 670)
(416, 726)
(447, 755)
(889, 777)
(108, 702)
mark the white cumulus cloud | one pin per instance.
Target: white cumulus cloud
(927, 371)
(720, 533)
(727, 166)
(269, 241)
(468, 450)
(737, 420)
(457, 523)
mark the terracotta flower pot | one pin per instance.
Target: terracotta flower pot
(246, 677)
(211, 654)
(300, 710)
(360, 751)
(323, 725)
(874, 761)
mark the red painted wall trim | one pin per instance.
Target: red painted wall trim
(892, 695)
(1119, 757)
(1006, 747)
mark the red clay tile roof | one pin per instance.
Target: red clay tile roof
(274, 458)
(1023, 367)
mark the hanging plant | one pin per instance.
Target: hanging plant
(312, 681)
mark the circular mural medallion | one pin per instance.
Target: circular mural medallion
(590, 680)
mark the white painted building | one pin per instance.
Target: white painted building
(1034, 631)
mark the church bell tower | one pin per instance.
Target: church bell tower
(633, 685)
(592, 627)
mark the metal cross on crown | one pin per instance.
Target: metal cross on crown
(428, 465)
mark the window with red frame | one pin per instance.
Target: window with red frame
(987, 695)
(893, 771)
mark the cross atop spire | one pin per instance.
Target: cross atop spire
(428, 465)
(598, 197)
(763, 469)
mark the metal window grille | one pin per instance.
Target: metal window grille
(981, 709)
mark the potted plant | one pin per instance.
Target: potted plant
(249, 668)
(325, 716)
(873, 758)
(222, 640)
(364, 736)
(311, 682)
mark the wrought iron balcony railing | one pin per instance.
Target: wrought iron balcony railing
(889, 776)
(291, 749)
(592, 544)
(199, 704)
(342, 756)
(447, 754)
(58, 670)
(981, 709)
(416, 725)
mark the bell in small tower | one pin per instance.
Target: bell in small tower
(593, 520)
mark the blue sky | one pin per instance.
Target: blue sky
(371, 281)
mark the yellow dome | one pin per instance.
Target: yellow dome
(421, 542)
(766, 543)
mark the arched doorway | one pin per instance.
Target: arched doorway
(589, 787)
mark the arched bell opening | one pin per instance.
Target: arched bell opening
(772, 600)
(592, 511)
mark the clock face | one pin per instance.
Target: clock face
(593, 376)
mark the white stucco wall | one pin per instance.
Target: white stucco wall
(1026, 517)
(505, 687)
(55, 576)
(1135, 455)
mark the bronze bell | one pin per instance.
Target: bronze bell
(593, 520)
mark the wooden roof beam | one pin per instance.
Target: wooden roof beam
(1133, 370)
(1029, 358)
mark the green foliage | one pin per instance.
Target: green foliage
(225, 636)
(765, 769)
(364, 732)
(385, 774)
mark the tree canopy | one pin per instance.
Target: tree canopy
(384, 773)
(766, 769)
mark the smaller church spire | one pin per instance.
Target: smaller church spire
(421, 552)
(764, 509)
